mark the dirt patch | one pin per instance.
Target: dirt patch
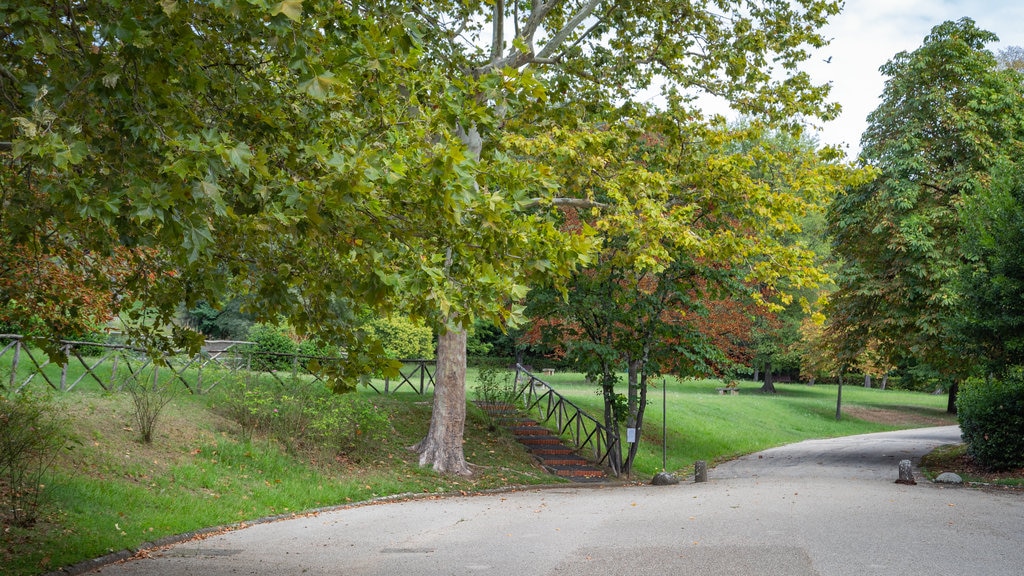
(899, 417)
(956, 459)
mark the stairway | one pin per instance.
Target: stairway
(548, 449)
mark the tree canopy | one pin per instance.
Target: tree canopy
(320, 157)
(949, 114)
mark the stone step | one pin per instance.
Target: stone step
(549, 449)
(561, 460)
(535, 439)
(577, 471)
(530, 431)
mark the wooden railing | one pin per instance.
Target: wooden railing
(112, 366)
(569, 420)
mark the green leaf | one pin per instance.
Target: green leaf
(169, 6)
(239, 157)
(319, 86)
(292, 9)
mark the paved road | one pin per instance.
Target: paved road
(827, 507)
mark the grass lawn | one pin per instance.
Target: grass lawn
(703, 425)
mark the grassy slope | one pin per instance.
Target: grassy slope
(109, 492)
(703, 425)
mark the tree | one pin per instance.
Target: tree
(709, 221)
(319, 157)
(588, 55)
(306, 156)
(948, 113)
(991, 318)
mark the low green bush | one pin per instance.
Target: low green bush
(305, 417)
(32, 432)
(271, 348)
(991, 415)
(495, 386)
(403, 339)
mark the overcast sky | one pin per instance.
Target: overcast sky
(868, 33)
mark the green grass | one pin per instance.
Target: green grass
(703, 425)
(110, 492)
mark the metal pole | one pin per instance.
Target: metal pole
(664, 425)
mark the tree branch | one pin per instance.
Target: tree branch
(556, 41)
(498, 25)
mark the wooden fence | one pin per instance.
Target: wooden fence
(112, 366)
(567, 419)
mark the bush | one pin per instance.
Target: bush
(991, 415)
(149, 398)
(32, 433)
(272, 348)
(95, 336)
(496, 386)
(305, 417)
(317, 349)
(403, 339)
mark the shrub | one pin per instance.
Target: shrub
(317, 349)
(991, 415)
(495, 386)
(305, 417)
(95, 336)
(345, 423)
(403, 339)
(272, 348)
(149, 398)
(32, 432)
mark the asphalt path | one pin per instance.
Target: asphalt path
(823, 507)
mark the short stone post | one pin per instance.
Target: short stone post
(700, 471)
(906, 473)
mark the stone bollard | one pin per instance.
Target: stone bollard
(906, 473)
(700, 471)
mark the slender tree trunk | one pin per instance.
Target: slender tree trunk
(632, 418)
(769, 381)
(757, 373)
(442, 447)
(611, 421)
(839, 399)
(954, 389)
(885, 381)
(867, 380)
(638, 424)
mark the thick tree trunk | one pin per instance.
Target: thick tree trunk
(867, 380)
(769, 380)
(954, 389)
(442, 447)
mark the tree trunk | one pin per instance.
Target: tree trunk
(757, 373)
(885, 382)
(867, 380)
(769, 381)
(611, 422)
(642, 407)
(839, 399)
(442, 447)
(637, 403)
(954, 389)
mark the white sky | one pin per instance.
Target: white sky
(868, 33)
